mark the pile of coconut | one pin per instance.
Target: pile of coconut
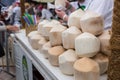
(82, 49)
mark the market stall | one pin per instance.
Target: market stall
(48, 71)
(51, 71)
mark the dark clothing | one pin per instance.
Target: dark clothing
(2, 53)
(0, 9)
(31, 11)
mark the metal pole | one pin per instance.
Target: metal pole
(6, 46)
(7, 56)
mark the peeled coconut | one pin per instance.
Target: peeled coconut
(68, 37)
(34, 41)
(41, 24)
(102, 60)
(41, 43)
(66, 61)
(46, 29)
(87, 45)
(55, 21)
(32, 33)
(92, 22)
(55, 35)
(86, 69)
(54, 53)
(74, 18)
(45, 49)
(104, 41)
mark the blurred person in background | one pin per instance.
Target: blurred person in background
(27, 6)
(51, 8)
(1, 5)
(3, 13)
(40, 7)
(38, 16)
(31, 9)
(102, 7)
(46, 14)
(17, 14)
(9, 17)
(4, 28)
(71, 7)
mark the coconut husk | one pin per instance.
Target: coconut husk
(114, 58)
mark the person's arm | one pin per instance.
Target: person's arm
(62, 15)
(8, 27)
(69, 6)
(12, 28)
